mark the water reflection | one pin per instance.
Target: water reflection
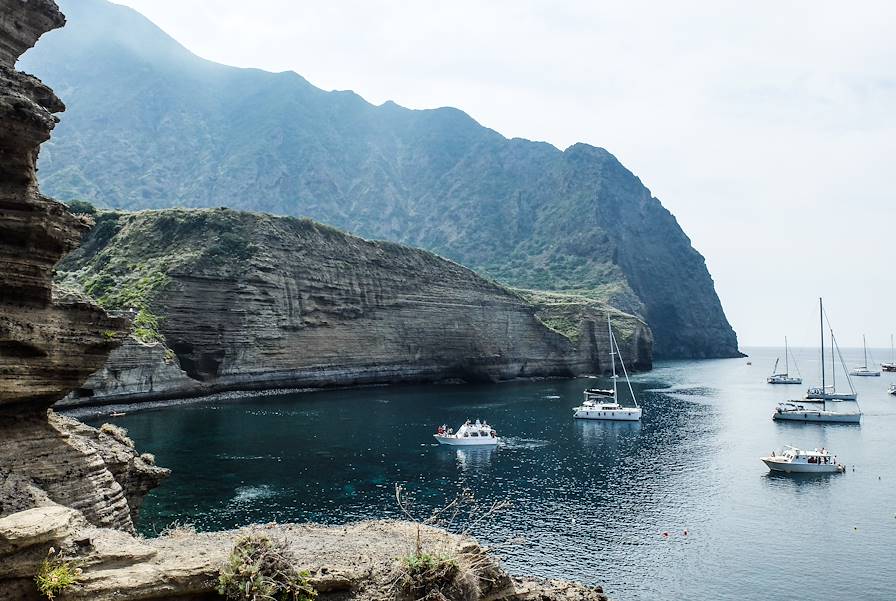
(475, 459)
(606, 433)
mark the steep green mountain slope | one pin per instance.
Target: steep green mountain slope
(150, 125)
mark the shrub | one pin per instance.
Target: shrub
(81, 206)
(178, 529)
(56, 575)
(261, 569)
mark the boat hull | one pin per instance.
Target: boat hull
(472, 441)
(617, 415)
(777, 465)
(781, 380)
(861, 373)
(818, 416)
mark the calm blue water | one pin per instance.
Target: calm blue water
(590, 500)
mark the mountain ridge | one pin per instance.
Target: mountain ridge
(152, 125)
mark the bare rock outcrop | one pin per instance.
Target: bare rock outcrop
(353, 562)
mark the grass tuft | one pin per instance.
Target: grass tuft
(56, 575)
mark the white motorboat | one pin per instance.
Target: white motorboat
(891, 364)
(604, 404)
(864, 370)
(797, 461)
(468, 434)
(831, 401)
(785, 377)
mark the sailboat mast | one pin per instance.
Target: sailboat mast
(786, 362)
(833, 365)
(865, 350)
(612, 357)
(821, 323)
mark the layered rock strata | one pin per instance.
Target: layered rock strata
(50, 339)
(247, 301)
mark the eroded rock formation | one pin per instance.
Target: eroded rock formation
(50, 340)
(245, 300)
(48, 343)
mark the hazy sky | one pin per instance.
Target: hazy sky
(767, 128)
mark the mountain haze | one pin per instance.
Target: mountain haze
(150, 125)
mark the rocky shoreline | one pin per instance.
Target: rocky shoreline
(69, 493)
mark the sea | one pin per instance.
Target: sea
(676, 506)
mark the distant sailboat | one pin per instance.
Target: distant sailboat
(798, 411)
(891, 366)
(784, 377)
(864, 370)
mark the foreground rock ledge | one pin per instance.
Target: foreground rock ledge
(356, 561)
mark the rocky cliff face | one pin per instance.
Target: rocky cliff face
(525, 213)
(48, 343)
(50, 340)
(246, 300)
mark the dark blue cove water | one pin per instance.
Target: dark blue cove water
(590, 500)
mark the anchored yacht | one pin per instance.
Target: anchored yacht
(468, 434)
(785, 377)
(830, 401)
(604, 404)
(864, 370)
(797, 461)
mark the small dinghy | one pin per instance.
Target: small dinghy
(797, 461)
(469, 434)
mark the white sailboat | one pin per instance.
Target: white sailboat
(891, 365)
(785, 377)
(864, 370)
(604, 404)
(830, 401)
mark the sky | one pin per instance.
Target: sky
(768, 128)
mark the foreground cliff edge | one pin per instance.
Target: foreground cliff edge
(227, 300)
(71, 489)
